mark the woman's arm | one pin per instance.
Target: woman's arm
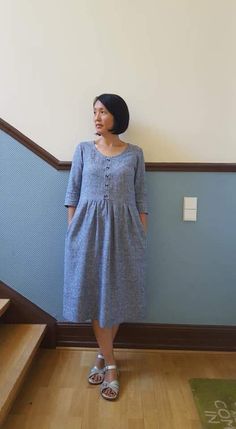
(70, 213)
(75, 178)
(140, 189)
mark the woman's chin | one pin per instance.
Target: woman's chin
(100, 132)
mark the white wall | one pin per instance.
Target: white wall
(172, 60)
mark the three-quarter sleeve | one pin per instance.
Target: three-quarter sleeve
(140, 184)
(75, 178)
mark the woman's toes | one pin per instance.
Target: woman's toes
(109, 393)
(97, 378)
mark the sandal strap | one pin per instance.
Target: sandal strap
(113, 385)
(100, 356)
(96, 370)
(107, 367)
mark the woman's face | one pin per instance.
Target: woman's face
(103, 119)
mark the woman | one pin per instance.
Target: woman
(106, 237)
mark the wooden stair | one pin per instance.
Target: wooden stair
(4, 304)
(18, 345)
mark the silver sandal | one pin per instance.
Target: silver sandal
(97, 371)
(114, 385)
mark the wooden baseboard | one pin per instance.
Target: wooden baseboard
(153, 336)
(130, 335)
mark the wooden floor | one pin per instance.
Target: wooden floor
(155, 393)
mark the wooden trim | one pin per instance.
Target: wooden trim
(130, 335)
(38, 150)
(150, 166)
(191, 167)
(21, 310)
(153, 336)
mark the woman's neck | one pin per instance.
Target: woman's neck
(110, 140)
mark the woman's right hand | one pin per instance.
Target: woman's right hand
(70, 214)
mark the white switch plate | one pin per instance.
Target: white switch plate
(190, 203)
(190, 215)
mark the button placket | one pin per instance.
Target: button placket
(107, 176)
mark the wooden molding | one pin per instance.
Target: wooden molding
(130, 335)
(21, 310)
(38, 150)
(150, 166)
(191, 167)
(153, 336)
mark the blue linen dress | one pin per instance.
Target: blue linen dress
(105, 246)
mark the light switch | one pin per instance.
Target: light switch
(190, 203)
(190, 209)
(190, 215)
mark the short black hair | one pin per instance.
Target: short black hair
(119, 110)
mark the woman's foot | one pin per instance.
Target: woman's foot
(110, 386)
(96, 374)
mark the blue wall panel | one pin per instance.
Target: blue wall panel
(192, 268)
(191, 275)
(32, 225)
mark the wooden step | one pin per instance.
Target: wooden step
(18, 345)
(4, 304)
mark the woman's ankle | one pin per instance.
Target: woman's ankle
(109, 360)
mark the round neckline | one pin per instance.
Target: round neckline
(113, 156)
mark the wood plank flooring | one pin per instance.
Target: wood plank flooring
(155, 393)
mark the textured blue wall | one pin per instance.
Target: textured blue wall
(192, 265)
(32, 225)
(191, 275)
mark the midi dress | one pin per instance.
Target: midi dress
(105, 244)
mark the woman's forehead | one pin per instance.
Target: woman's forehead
(99, 105)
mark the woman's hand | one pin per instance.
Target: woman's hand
(143, 218)
(70, 213)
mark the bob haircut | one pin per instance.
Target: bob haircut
(119, 110)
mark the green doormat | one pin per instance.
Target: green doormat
(216, 402)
